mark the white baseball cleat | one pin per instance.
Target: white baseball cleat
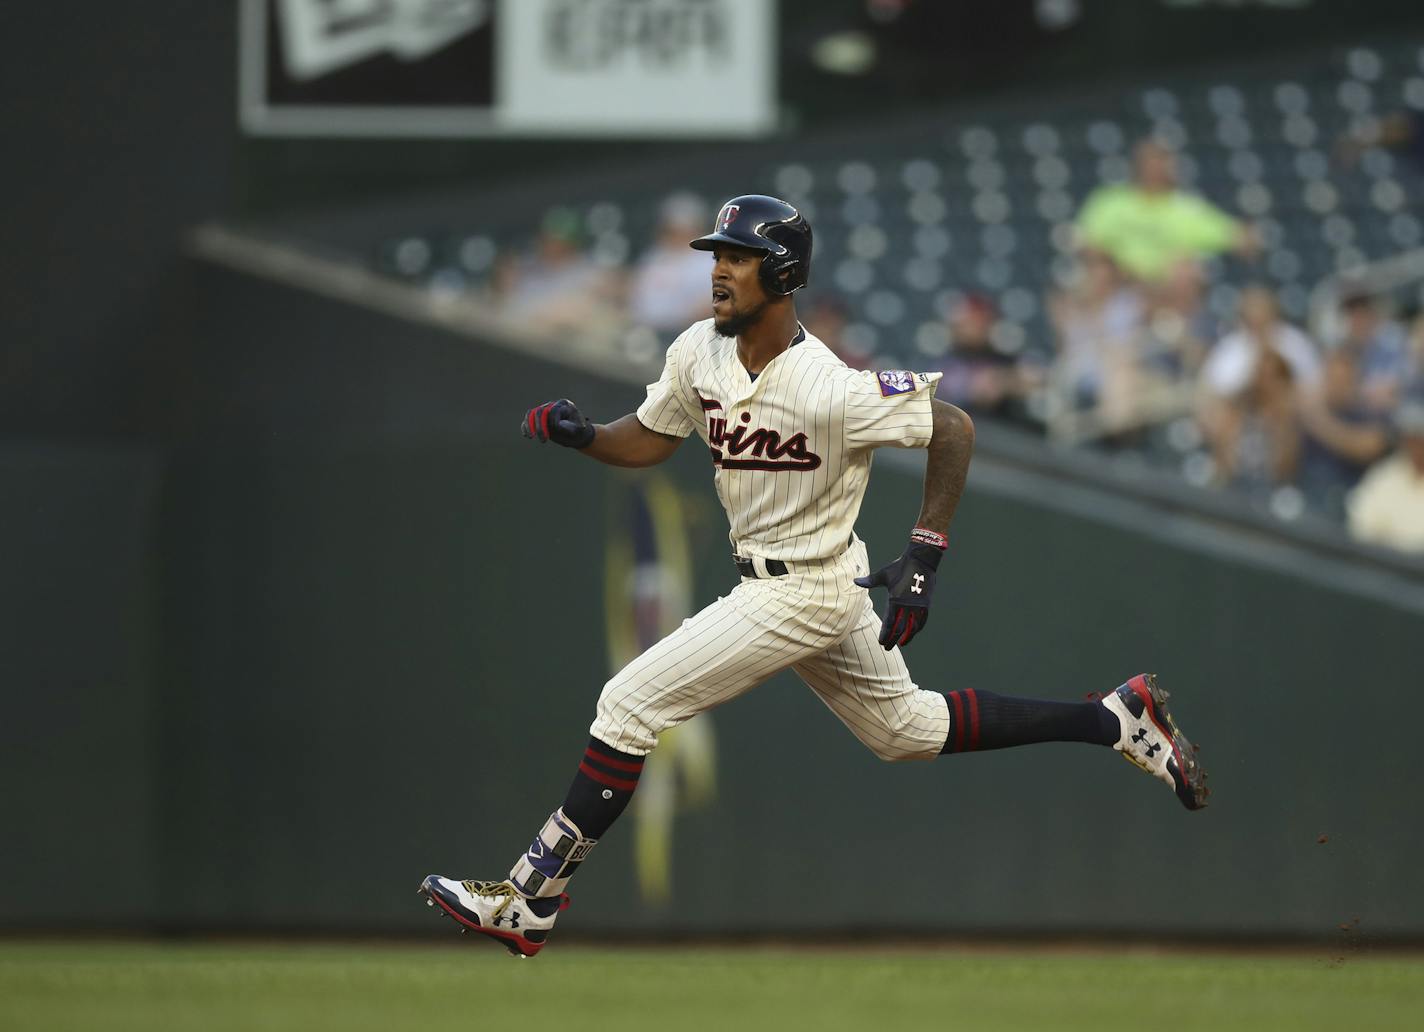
(1151, 740)
(491, 908)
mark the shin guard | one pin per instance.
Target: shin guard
(553, 857)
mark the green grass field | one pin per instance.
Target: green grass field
(474, 985)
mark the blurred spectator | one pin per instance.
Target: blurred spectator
(1098, 320)
(1342, 435)
(978, 377)
(1180, 327)
(671, 286)
(1381, 349)
(1232, 362)
(1388, 506)
(559, 286)
(1248, 405)
(827, 316)
(1148, 226)
(1255, 437)
(1414, 382)
(1398, 131)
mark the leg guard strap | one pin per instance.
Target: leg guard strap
(553, 857)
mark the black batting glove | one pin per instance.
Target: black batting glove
(558, 421)
(911, 580)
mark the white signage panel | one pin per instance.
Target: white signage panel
(663, 66)
(507, 67)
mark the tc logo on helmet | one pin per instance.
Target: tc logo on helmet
(727, 217)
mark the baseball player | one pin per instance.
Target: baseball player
(790, 431)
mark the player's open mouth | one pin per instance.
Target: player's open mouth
(719, 296)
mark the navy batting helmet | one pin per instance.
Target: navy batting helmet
(766, 224)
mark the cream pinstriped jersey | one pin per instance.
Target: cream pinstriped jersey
(791, 448)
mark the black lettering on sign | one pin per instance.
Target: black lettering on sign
(584, 35)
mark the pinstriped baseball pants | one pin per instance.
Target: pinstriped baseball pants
(819, 624)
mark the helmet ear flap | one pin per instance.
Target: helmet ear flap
(773, 275)
(785, 270)
(782, 274)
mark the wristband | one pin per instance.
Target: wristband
(921, 536)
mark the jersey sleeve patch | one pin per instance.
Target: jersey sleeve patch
(899, 381)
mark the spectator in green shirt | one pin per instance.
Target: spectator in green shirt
(1148, 226)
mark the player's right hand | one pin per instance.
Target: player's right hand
(558, 421)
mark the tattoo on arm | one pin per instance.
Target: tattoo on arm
(947, 467)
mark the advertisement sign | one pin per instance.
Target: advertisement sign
(665, 66)
(507, 67)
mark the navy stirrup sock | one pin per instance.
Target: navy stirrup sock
(602, 787)
(983, 720)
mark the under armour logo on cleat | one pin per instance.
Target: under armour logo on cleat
(512, 917)
(1140, 737)
(915, 587)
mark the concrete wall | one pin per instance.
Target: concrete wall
(350, 630)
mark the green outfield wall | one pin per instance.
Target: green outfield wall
(346, 628)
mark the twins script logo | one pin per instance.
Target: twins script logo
(764, 449)
(727, 217)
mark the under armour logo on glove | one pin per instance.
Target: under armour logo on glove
(911, 580)
(558, 421)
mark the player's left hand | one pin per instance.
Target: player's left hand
(911, 580)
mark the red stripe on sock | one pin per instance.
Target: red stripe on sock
(973, 719)
(609, 761)
(607, 779)
(530, 420)
(544, 419)
(958, 722)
